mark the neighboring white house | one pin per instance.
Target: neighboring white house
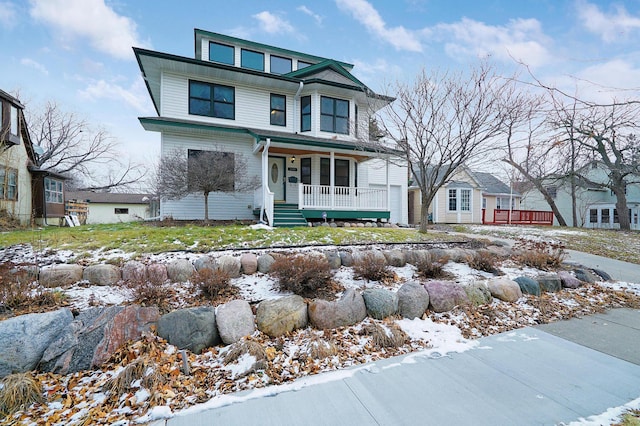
(468, 197)
(108, 207)
(300, 122)
(595, 206)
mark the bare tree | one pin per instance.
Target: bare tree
(442, 121)
(72, 146)
(184, 172)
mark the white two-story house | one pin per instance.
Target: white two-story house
(300, 122)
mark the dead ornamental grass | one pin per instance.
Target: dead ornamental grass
(18, 392)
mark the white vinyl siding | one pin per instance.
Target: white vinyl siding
(222, 206)
(373, 173)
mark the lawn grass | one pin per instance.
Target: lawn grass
(139, 238)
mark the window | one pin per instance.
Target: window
(356, 121)
(14, 120)
(303, 64)
(593, 215)
(552, 190)
(214, 169)
(484, 202)
(212, 100)
(616, 218)
(342, 173)
(252, 60)
(453, 200)
(278, 110)
(325, 171)
(120, 211)
(605, 215)
(222, 53)
(465, 200)
(8, 184)
(280, 65)
(334, 115)
(305, 113)
(53, 191)
(305, 171)
(502, 203)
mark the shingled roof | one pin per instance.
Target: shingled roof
(491, 184)
(107, 197)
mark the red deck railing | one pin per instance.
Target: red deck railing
(518, 217)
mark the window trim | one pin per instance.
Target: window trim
(5, 177)
(242, 62)
(59, 193)
(334, 115)
(459, 201)
(14, 125)
(273, 111)
(212, 100)
(233, 53)
(303, 114)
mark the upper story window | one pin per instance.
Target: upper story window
(222, 53)
(14, 120)
(334, 115)
(252, 60)
(305, 113)
(303, 64)
(53, 191)
(278, 110)
(280, 65)
(212, 100)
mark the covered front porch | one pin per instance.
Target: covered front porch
(317, 183)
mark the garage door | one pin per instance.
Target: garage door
(397, 207)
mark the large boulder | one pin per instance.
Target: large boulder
(346, 258)
(369, 256)
(602, 274)
(444, 295)
(504, 289)
(395, 257)
(62, 275)
(380, 302)
(264, 263)
(333, 258)
(478, 294)
(25, 338)
(581, 274)
(235, 320)
(102, 274)
(549, 282)
(413, 300)
(191, 328)
(248, 263)
(134, 271)
(528, 285)
(157, 273)
(74, 349)
(205, 262)
(568, 280)
(230, 265)
(128, 324)
(277, 317)
(348, 310)
(180, 270)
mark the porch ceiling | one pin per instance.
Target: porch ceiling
(299, 152)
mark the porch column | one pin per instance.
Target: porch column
(388, 188)
(332, 180)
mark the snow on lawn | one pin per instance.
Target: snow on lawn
(611, 416)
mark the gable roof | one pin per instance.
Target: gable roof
(492, 185)
(107, 197)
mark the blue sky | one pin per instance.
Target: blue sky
(78, 52)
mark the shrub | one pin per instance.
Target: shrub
(19, 290)
(484, 260)
(372, 268)
(302, 275)
(539, 254)
(428, 267)
(211, 282)
(150, 293)
(18, 392)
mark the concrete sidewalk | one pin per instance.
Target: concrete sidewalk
(552, 374)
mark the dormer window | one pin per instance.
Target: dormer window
(222, 53)
(303, 64)
(280, 65)
(252, 60)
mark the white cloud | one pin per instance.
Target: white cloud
(613, 79)
(306, 10)
(135, 96)
(8, 15)
(363, 12)
(520, 39)
(105, 30)
(610, 27)
(369, 72)
(273, 24)
(35, 65)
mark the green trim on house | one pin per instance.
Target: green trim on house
(328, 64)
(256, 45)
(345, 214)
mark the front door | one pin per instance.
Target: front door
(276, 177)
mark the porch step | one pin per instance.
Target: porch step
(287, 215)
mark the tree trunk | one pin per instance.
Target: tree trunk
(622, 208)
(206, 208)
(424, 211)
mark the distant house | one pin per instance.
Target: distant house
(467, 197)
(27, 193)
(299, 120)
(108, 207)
(595, 206)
